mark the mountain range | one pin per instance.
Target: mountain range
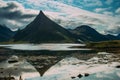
(43, 30)
(87, 34)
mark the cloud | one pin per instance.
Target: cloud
(63, 14)
(105, 11)
(117, 11)
(115, 30)
(102, 9)
(100, 22)
(108, 2)
(93, 3)
(13, 14)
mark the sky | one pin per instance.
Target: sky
(102, 15)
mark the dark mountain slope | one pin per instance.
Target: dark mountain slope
(87, 34)
(112, 37)
(118, 35)
(5, 33)
(42, 29)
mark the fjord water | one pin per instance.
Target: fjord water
(45, 46)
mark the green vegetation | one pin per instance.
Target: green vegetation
(108, 46)
(12, 42)
(115, 43)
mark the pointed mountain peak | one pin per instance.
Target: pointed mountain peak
(43, 29)
(41, 12)
(41, 16)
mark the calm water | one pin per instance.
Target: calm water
(45, 46)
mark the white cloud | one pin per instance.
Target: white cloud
(117, 11)
(69, 16)
(70, 1)
(108, 2)
(107, 13)
(100, 22)
(102, 9)
(99, 9)
(2, 4)
(13, 14)
(114, 29)
(76, 17)
(93, 3)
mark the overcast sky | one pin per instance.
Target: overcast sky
(103, 15)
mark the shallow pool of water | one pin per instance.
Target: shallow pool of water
(45, 46)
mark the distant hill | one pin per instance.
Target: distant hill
(118, 35)
(112, 37)
(87, 34)
(43, 30)
(5, 33)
